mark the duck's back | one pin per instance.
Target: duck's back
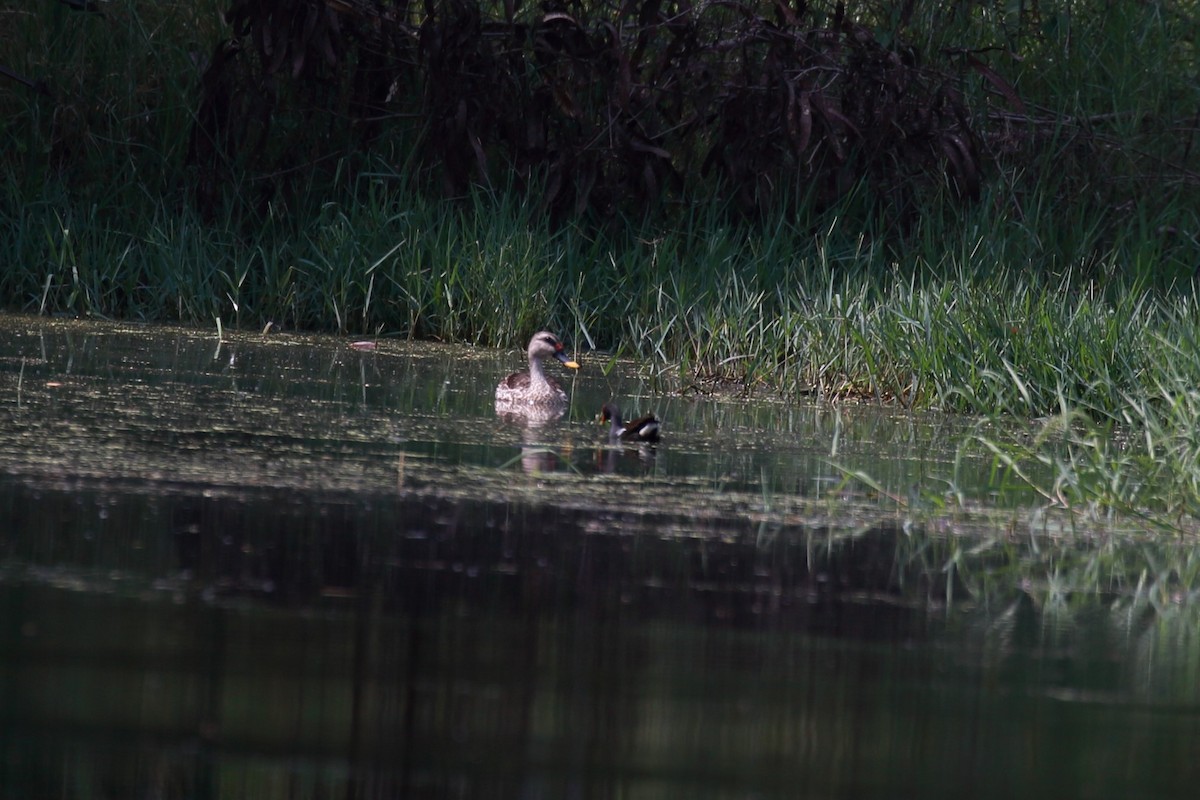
(517, 382)
(519, 387)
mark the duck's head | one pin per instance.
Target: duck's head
(546, 345)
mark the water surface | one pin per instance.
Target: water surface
(280, 566)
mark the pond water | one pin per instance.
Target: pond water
(279, 566)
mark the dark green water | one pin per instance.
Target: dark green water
(284, 568)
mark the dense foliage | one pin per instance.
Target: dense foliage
(603, 106)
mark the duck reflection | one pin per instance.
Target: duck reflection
(539, 452)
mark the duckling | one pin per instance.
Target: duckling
(643, 429)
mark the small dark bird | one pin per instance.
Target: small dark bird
(643, 429)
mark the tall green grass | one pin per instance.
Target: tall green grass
(958, 317)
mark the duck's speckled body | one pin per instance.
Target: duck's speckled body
(532, 391)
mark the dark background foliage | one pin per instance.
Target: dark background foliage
(602, 108)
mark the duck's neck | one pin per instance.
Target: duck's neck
(537, 377)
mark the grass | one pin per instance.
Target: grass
(956, 319)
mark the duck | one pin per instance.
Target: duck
(532, 390)
(643, 429)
